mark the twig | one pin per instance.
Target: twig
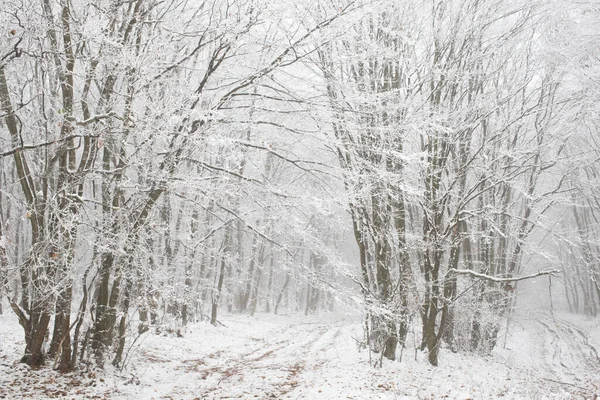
(38, 145)
(566, 383)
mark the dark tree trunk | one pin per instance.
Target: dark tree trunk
(105, 309)
(35, 336)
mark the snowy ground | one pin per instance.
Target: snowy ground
(291, 357)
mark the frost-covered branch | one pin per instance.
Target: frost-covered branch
(497, 279)
(44, 144)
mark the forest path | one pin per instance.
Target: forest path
(562, 354)
(317, 358)
(291, 358)
(268, 364)
(569, 354)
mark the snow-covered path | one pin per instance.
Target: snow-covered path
(268, 360)
(293, 357)
(558, 351)
(284, 358)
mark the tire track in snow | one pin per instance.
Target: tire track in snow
(570, 356)
(267, 371)
(593, 358)
(576, 341)
(321, 359)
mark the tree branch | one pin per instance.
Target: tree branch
(23, 319)
(497, 279)
(38, 145)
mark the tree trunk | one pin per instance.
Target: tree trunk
(105, 309)
(282, 292)
(245, 298)
(225, 249)
(270, 284)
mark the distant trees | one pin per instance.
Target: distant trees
(578, 233)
